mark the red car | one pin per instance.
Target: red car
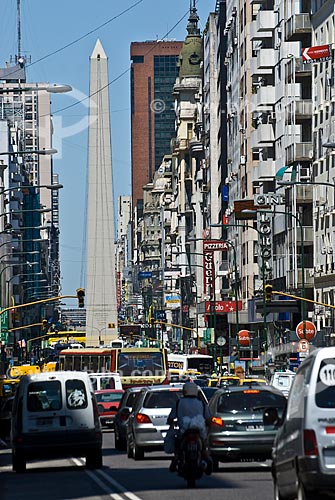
(108, 403)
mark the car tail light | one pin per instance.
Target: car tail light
(141, 418)
(330, 430)
(310, 444)
(217, 421)
(251, 391)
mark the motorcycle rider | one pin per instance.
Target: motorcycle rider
(190, 411)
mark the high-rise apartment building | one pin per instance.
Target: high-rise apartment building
(153, 74)
(31, 225)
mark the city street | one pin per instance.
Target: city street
(123, 478)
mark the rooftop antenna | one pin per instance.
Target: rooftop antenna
(18, 8)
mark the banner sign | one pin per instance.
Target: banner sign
(209, 278)
(222, 306)
(319, 53)
(216, 245)
(264, 228)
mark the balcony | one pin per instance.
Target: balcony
(266, 20)
(296, 65)
(291, 277)
(255, 70)
(307, 233)
(264, 170)
(266, 95)
(196, 149)
(262, 136)
(304, 109)
(258, 35)
(180, 144)
(266, 58)
(304, 193)
(301, 151)
(296, 26)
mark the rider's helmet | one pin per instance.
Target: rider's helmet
(190, 389)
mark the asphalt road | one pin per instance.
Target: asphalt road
(124, 479)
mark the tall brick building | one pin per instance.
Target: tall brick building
(153, 73)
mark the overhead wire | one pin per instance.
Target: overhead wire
(88, 33)
(123, 72)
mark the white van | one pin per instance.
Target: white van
(106, 380)
(283, 381)
(55, 415)
(304, 448)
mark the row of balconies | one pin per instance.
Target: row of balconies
(266, 22)
(265, 60)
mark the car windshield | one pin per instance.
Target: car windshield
(248, 401)
(162, 399)
(108, 397)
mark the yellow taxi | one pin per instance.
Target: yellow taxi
(228, 380)
(17, 371)
(253, 381)
(49, 367)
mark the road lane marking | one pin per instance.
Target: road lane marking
(115, 484)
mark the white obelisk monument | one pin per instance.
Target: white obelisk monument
(100, 299)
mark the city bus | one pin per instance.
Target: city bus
(136, 366)
(66, 337)
(181, 364)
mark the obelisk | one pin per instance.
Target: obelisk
(101, 305)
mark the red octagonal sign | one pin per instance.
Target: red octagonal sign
(308, 332)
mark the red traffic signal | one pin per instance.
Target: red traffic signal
(80, 296)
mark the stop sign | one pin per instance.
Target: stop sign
(308, 332)
(243, 337)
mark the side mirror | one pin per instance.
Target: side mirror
(271, 417)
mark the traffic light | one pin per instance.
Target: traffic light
(44, 325)
(267, 293)
(80, 296)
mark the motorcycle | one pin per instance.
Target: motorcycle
(190, 463)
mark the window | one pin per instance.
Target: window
(138, 59)
(242, 401)
(163, 399)
(76, 396)
(325, 389)
(44, 396)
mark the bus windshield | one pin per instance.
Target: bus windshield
(140, 363)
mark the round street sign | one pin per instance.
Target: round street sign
(220, 341)
(243, 337)
(308, 332)
(303, 345)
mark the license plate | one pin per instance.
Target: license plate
(255, 427)
(44, 422)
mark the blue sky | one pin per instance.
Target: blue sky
(47, 27)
